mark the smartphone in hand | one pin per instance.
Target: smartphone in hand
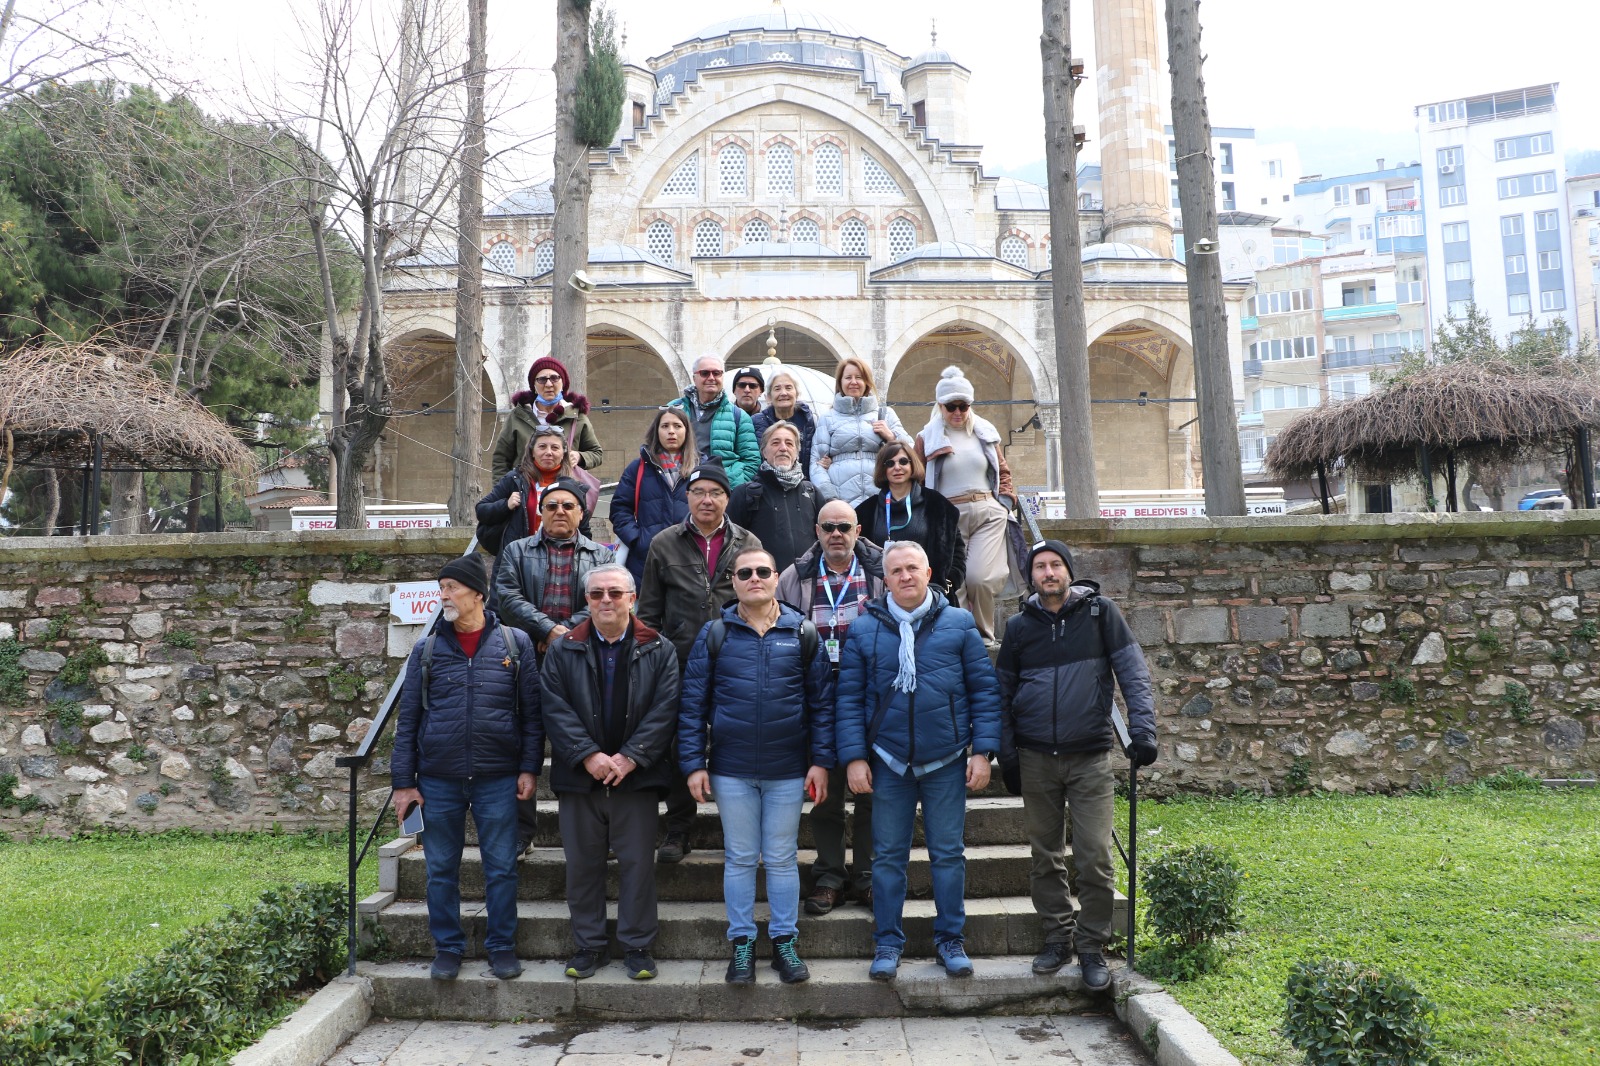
(412, 825)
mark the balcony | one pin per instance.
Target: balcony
(1252, 368)
(1247, 322)
(1251, 418)
(1355, 311)
(1361, 357)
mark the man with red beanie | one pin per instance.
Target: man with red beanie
(547, 403)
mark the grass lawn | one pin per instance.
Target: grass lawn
(79, 911)
(1489, 901)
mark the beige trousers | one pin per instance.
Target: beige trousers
(983, 527)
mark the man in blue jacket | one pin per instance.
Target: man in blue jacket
(918, 720)
(469, 737)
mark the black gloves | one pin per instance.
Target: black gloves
(1142, 751)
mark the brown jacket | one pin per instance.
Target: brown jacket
(677, 596)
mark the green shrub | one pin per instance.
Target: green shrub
(1512, 781)
(1489, 641)
(80, 665)
(1191, 899)
(1399, 690)
(1587, 630)
(67, 713)
(179, 638)
(1518, 702)
(1342, 1014)
(13, 678)
(343, 685)
(1298, 779)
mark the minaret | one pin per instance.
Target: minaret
(1134, 176)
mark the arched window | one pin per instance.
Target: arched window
(544, 258)
(1014, 250)
(853, 237)
(660, 242)
(902, 238)
(504, 257)
(731, 166)
(685, 181)
(780, 170)
(805, 232)
(1049, 255)
(829, 170)
(757, 232)
(876, 180)
(708, 238)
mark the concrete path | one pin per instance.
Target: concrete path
(1061, 1040)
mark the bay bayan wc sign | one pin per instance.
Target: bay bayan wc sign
(414, 602)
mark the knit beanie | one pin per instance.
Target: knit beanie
(1043, 546)
(953, 385)
(711, 472)
(549, 362)
(468, 570)
(571, 486)
(749, 372)
(577, 399)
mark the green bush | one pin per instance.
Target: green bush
(80, 665)
(205, 995)
(13, 678)
(1342, 1014)
(1518, 702)
(1191, 899)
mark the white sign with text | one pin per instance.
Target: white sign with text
(414, 602)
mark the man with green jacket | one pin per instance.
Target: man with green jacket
(721, 431)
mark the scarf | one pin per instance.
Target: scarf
(906, 679)
(789, 477)
(671, 466)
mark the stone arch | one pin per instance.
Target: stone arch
(987, 322)
(755, 327)
(413, 463)
(1154, 446)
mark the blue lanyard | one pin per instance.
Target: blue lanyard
(888, 520)
(827, 586)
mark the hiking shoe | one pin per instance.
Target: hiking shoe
(953, 956)
(1052, 957)
(786, 960)
(446, 966)
(885, 962)
(504, 965)
(523, 844)
(674, 848)
(1096, 978)
(641, 967)
(586, 962)
(824, 899)
(742, 967)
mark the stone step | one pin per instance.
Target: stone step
(992, 870)
(694, 990)
(1004, 925)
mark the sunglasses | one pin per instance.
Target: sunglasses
(547, 379)
(902, 461)
(708, 373)
(558, 505)
(959, 405)
(748, 385)
(608, 594)
(836, 527)
(745, 573)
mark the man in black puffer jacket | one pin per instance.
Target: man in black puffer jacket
(1057, 664)
(469, 737)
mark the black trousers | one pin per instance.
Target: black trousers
(624, 822)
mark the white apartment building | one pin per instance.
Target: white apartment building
(1583, 208)
(1492, 180)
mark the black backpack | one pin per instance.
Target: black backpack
(809, 639)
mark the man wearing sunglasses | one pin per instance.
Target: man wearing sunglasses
(747, 387)
(721, 430)
(830, 584)
(610, 710)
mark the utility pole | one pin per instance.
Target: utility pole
(1061, 74)
(1208, 321)
(569, 334)
(466, 476)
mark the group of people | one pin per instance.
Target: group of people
(770, 639)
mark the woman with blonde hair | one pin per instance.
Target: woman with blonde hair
(849, 434)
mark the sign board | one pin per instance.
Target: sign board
(1049, 505)
(378, 517)
(414, 602)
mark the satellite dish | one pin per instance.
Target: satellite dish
(1249, 246)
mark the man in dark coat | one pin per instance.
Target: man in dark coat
(610, 708)
(469, 738)
(779, 505)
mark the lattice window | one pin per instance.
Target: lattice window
(757, 232)
(544, 258)
(660, 242)
(664, 88)
(504, 257)
(720, 61)
(1014, 250)
(876, 180)
(731, 168)
(685, 181)
(806, 232)
(829, 170)
(780, 170)
(1049, 257)
(902, 238)
(853, 237)
(842, 61)
(779, 57)
(708, 238)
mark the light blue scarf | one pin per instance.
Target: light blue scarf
(906, 679)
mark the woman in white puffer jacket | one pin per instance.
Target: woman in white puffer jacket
(849, 435)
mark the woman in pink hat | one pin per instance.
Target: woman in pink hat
(547, 403)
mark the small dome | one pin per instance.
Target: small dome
(945, 250)
(932, 55)
(1116, 250)
(1014, 194)
(534, 200)
(612, 252)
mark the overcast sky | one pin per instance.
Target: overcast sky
(1340, 80)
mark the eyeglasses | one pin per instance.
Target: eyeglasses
(745, 573)
(901, 461)
(836, 527)
(558, 505)
(547, 379)
(959, 405)
(608, 594)
(707, 494)
(708, 373)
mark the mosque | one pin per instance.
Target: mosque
(777, 178)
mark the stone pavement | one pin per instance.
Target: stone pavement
(1062, 1040)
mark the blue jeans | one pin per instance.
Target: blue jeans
(943, 795)
(760, 821)
(493, 801)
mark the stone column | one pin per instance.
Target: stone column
(1050, 419)
(1134, 175)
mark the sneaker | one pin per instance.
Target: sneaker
(742, 967)
(446, 966)
(586, 962)
(504, 965)
(1052, 957)
(674, 848)
(523, 844)
(885, 962)
(1096, 978)
(953, 956)
(824, 899)
(641, 967)
(786, 960)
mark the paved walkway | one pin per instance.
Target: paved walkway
(1062, 1040)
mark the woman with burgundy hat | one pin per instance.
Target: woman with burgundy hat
(547, 403)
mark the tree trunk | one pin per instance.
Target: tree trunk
(127, 503)
(52, 501)
(466, 476)
(1208, 322)
(367, 413)
(568, 320)
(197, 489)
(1078, 479)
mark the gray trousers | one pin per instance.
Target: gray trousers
(1050, 785)
(827, 829)
(591, 824)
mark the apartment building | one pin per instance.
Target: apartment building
(1583, 209)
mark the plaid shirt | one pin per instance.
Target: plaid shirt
(557, 602)
(849, 593)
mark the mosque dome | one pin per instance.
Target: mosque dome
(1116, 250)
(945, 250)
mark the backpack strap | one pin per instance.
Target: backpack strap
(427, 668)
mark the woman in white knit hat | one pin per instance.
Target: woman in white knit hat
(964, 462)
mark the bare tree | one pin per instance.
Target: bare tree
(47, 41)
(466, 476)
